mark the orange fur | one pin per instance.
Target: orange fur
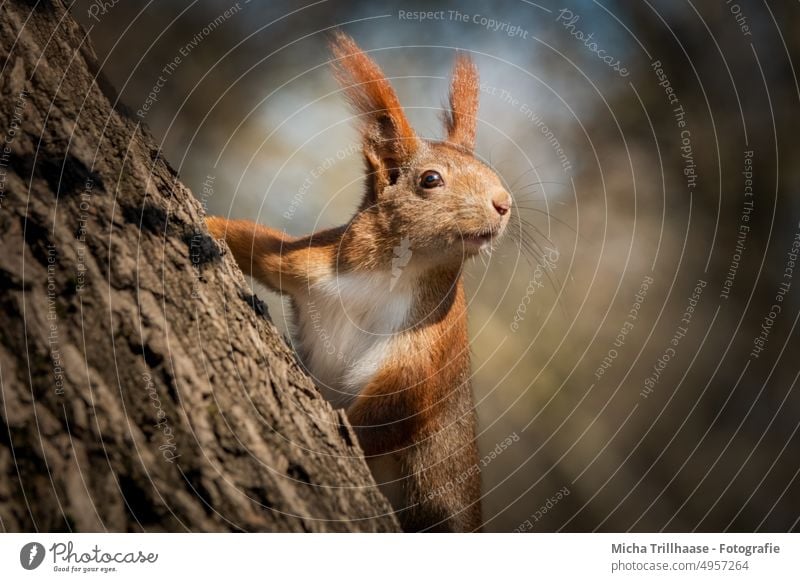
(384, 124)
(460, 121)
(419, 410)
(284, 264)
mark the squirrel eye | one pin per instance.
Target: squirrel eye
(431, 179)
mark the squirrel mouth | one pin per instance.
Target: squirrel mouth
(479, 239)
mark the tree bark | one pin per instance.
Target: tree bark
(143, 385)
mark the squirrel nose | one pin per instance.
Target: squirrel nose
(502, 204)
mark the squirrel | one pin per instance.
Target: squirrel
(385, 291)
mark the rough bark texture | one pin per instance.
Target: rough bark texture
(143, 385)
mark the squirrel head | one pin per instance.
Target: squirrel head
(434, 198)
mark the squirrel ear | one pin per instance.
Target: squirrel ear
(461, 120)
(386, 132)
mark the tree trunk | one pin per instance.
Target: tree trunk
(143, 385)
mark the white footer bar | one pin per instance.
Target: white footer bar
(406, 558)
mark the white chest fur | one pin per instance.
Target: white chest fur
(347, 325)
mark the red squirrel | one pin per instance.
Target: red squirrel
(385, 291)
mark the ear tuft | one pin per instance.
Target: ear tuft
(385, 127)
(462, 119)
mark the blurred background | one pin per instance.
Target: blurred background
(635, 337)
